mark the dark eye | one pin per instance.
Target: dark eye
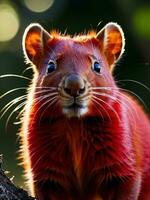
(51, 66)
(96, 67)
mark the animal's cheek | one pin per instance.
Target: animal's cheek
(48, 81)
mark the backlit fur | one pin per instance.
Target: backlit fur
(103, 153)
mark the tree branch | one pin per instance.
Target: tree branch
(8, 191)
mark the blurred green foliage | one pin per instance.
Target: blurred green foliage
(74, 16)
(141, 20)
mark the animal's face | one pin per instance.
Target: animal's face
(72, 68)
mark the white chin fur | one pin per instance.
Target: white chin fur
(75, 112)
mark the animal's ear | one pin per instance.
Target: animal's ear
(112, 42)
(34, 41)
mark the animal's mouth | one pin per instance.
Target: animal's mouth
(75, 109)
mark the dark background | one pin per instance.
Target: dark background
(73, 16)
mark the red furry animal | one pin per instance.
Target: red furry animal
(82, 137)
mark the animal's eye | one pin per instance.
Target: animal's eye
(51, 66)
(96, 67)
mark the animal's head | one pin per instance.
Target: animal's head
(74, 71)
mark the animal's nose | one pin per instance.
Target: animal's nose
(74, 85)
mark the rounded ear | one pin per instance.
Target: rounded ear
(112, 42)
(34, 40)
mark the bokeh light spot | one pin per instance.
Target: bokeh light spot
(38, 5)
(9, 22)
(141, 21)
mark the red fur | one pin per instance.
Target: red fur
(98, 156)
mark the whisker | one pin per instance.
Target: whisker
(16, 123)
(137, 82)
(11, 103)
(109, 107)
(13, 90)
(26, 70)
(44, 104)
(104, 88)
(116, 99)
(95, 101)
(48, 94)
(16, 109)
(37, 100)
(15, 75)
(105, 111)
(51, 103)
(128, 91)
(25, 88)
(20, 113)
(129, 105)
(47, 102)
(40, 98)
(137, 96)
(49, 87)
(18, 99)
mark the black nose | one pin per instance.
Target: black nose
(74, 85)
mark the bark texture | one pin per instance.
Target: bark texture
(8, 191)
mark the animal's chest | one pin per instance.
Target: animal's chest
(74, 154)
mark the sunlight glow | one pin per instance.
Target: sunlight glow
(9, 22)
(38, 5)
